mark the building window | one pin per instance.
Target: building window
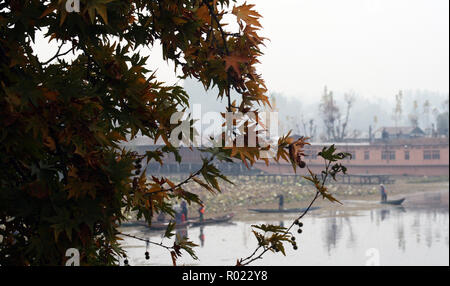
(353, 153)
(392, 155)
(406, 155)
(436, 155)
(431, 154)
(388, 155)
(366, 155)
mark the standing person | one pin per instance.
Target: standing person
(383, 193)
(184, 210)
(161, 217)
(280, 202)
(178, 214)
(201, 212)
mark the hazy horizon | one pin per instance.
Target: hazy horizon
(372, 48)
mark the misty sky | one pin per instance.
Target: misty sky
(371, 47)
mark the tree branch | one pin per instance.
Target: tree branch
(222, 32)
(187, 180)
(146, 240)
(224, 39)
(57, 55)
(251, 258)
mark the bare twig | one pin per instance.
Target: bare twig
(252, 257)
(57, 55)
(187, 180)
(222, 32)
(224, 39)
(146, 240)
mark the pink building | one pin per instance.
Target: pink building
(416, 157)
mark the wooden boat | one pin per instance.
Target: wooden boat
(163, 226)
(154, 226)
(282, 210)
(216, 220)
(393, 202)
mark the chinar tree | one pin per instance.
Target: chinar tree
(66, 182)
(336, 125)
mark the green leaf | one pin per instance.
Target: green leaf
(169, 231)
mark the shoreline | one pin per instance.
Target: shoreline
(353, 197)
(245, 195)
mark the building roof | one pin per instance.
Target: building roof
(421, 141)
(323, 144)
(401, 130)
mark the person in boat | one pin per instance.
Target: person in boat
(201, 212)
(280, 202)
(184, 210)
(178, 214)
(161, 217)
(383, 193)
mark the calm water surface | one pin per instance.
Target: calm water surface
(410, 235)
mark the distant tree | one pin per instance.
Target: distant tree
(445, 104)
(414, 115)
(442, 124)
(343, 123)
(426, 114)
(335, 125)
(373, 127)
(441, 116)
(300, 126)
(330, 113)
(312, 129)
(398, 110)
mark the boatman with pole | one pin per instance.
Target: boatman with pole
(184, 210)
(383, 193)
(201, 212)
(280, 202)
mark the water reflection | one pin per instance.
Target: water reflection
(181, 233)
(201, 237)
(404, 236)
(332, 229)
(352, 237)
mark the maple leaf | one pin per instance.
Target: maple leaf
(99, 7)
(234, 62)
(50, 143)
(49, 10)
(246, 14)
(114, 135)
(174, 259)
(38, 190)
(51, 95)
(96, 175)
(203, 14)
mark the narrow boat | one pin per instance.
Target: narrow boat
(393, 202)
(154, 226)
(163, 226)
(282, 210)
(223, 219)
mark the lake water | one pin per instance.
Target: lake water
(416, 234)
